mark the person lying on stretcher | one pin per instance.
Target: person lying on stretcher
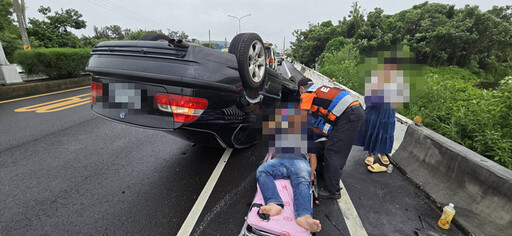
(287, 131)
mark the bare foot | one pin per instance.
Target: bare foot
(369, 160)
(272, 209)
(308, 223)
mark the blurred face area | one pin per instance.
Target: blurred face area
(286, 121)
(391, 77)
(286, 130)
(387, 83)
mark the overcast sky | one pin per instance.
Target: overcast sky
(273, 20)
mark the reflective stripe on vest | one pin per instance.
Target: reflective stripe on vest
(327, 128)
(313, 87)
(322, 125)
(340, 103)
(337, 106)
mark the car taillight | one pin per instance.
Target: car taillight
(184, 109)
(96, 90)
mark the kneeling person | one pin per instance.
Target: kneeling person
(286, 132)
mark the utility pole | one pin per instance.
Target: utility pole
(20, 15)
(239, 19)
(209, 39)
(23, 10)
(284, 40)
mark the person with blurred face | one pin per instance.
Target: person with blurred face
(338, 116)
(381, 98)
(286, 130)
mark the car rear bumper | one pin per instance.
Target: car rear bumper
(132, 102)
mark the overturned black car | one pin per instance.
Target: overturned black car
(199, 94)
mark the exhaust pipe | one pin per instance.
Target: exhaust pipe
(179, 43)
(172, 43)
(183, 44)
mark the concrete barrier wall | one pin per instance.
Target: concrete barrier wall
(39, 87)
(480, 189)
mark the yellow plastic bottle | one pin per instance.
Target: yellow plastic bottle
(446, 219)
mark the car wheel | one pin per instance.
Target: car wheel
(249, 51)
(155, 37)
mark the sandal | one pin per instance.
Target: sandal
(369, 160)
(384, 159)
(377, 168)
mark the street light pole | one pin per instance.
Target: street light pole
(239, 19)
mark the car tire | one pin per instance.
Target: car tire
(155, 37)
(249, 51)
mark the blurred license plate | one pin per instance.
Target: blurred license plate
(125, 93)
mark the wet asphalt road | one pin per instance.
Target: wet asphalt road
(69, 172)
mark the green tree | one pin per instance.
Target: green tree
(309, 44)
(371, 35)
(335, 45)
(53, 31)
(355, 22)
(137, 34)
(100, 33)
(441, 35)
(112, 32)
(177, 34)
(116, 31)
(341, 63)
(89, 42)
(9, 34)
(503, 13)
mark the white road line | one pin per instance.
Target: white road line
(192, 217)
(354, 224)
(287, 71)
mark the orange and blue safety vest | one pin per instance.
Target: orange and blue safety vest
(326, 104)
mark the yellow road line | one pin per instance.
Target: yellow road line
(88, 100)
(40, 95)
(57, 105)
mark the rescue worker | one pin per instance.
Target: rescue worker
(338, 116)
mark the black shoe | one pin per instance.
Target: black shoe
(324, 194)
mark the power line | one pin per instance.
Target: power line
(125, 13)
(117, 11)
(131, 12)
(114, 10)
